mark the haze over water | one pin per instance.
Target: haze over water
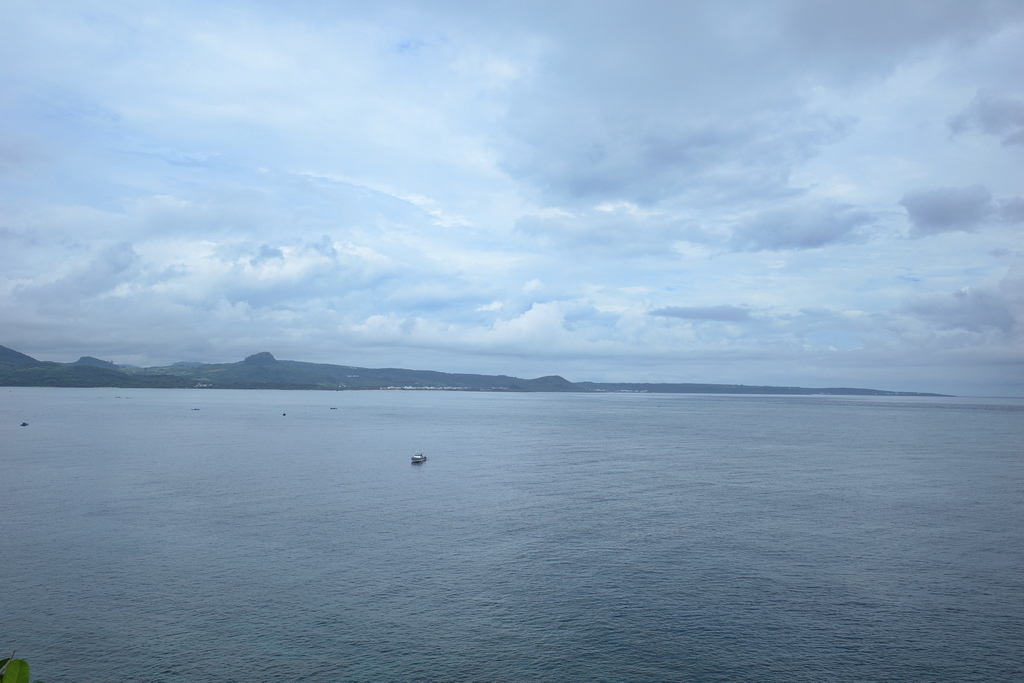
(549, 537)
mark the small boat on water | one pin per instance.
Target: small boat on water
(418, 458)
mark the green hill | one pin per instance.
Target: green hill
(95, 362)
(14, 358)
(263, 371)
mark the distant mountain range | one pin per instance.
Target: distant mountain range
(263, 371)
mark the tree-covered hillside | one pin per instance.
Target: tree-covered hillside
(263, 371)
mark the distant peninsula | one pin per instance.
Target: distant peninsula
(263, 371)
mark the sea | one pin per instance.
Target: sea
(163, 535)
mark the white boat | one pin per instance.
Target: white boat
(419, 457)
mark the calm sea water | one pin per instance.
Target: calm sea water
(167, 535)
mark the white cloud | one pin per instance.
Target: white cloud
(802, 225)
(723, 313)
(948, 208)
(995, 114)
(518, 187)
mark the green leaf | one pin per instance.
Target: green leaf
(16, 672)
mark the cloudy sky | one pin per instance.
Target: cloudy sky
(799, 192)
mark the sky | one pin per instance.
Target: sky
(785, 192)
